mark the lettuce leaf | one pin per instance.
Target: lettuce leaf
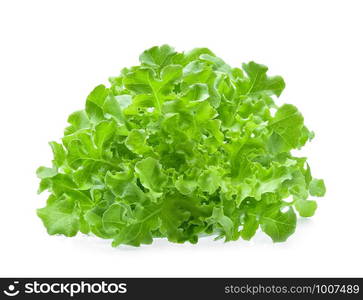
(180, 147)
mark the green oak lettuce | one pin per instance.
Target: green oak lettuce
(181, 146)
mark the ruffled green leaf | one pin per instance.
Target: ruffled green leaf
(278, 225)
(317, 188)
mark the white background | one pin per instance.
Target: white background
(54, 52)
